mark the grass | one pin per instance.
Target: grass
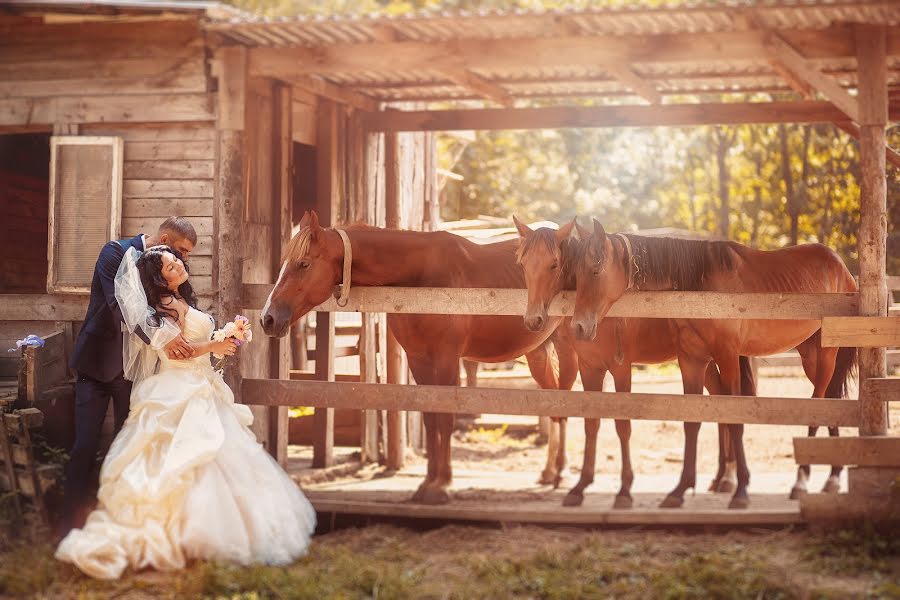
(458, 562)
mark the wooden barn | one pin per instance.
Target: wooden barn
(116, 114)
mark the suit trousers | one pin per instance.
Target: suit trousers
(91, 402)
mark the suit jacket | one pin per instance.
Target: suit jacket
(98, 351)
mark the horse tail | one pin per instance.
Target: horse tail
(845, 368)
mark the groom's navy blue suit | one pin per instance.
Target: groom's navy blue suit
(98, 361)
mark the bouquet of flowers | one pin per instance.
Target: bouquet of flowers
(239, 330)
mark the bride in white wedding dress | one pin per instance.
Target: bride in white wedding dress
(185, 478)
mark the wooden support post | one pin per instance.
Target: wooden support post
(231, 71)
(395, 428)
(323, 419)
(368, 372)
(326, 190)
(280, 349)
(872, 244)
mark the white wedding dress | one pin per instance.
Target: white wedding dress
(186, 478)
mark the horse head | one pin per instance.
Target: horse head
(600, 280)
(311, 268)
(542, 256)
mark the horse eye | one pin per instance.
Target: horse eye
(554, 266)
(597, 271)
(304, 264)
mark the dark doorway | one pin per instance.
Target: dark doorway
(24, 202)
(304, 174)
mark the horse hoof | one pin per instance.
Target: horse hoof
(623, 502)
(797, 493)
(726, 486)
(739, 502)
(573, 499)
(434, 496)
(672, 502)
(714, 485)
(557, 481)
(832, 486)
(549, 478)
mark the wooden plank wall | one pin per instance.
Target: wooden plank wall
(147, 82)
(169, 170)
(134, 72)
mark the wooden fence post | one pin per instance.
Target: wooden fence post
(231, 71)
(872, 241)
(395, 426)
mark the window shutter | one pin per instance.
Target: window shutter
(85, 207)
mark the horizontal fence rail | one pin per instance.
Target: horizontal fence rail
(861, 332)
(553, 403)
(493, 301)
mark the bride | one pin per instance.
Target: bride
(185, 478)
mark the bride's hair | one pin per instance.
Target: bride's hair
(149, 266)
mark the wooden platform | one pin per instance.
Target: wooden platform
(502, 497)
(596, 510)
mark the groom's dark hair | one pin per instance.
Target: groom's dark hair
(180, 227)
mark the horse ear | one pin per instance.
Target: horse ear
(524, 230)
(314, 226)
(598, 240)
(305, 220)
(583, 232)
(565, 231)
(599, 232)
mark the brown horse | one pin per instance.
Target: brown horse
(434, 344)
(548, 258)
(607, 266)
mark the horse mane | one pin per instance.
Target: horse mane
(542, 235)
(685, 264)
(301, 238)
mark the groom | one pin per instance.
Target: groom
(98, 361)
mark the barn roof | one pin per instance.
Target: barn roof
(619, 54)
(505, 69)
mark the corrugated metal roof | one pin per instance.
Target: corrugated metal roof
(703, 77)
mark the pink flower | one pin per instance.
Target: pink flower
(240, 318)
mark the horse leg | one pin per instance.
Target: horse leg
(622, 378)
(541, 365)
(808, 359)
(431, 433)
(729, 365)
(438, 431)
(825, 364)
(692, 374)
(724, 481)
(593, 382)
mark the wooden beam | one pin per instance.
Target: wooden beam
(558, 117)
(872, 234)
(861, 451)
(479, 85)
(542, 52)
(796, 83)
(844, 509)
(280, 66)
(783, 52)
(493, 301)
(554, 403)
(639, 85)
(861, 332)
